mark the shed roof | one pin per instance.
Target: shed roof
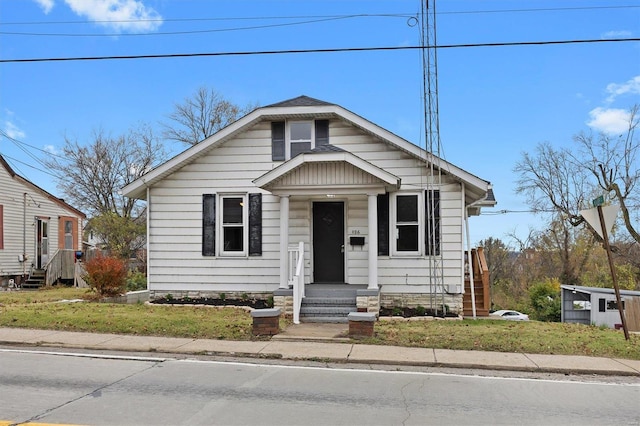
(598, 290)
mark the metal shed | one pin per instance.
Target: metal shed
(597, 306)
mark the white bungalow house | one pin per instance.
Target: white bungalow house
(39, 233)
(306, 198)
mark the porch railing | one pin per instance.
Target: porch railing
(61, 265)
(53, 269)
(296, 278)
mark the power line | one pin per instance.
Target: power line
(254, 27)
(28, 165)
(331, 50)
(245, 18)
(19, 142)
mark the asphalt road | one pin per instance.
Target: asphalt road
(71, 389)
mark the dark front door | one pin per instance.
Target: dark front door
(328, 242)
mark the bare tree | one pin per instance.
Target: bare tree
(92, 173)
(200, 116)
(563, 181)
(614, 162)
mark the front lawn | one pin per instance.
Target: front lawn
(55, 309)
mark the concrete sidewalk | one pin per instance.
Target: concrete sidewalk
(323, 343)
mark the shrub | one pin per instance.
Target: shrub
(544, 297)
(106, 275)
(136, 281)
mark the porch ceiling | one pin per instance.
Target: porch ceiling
(327, 172)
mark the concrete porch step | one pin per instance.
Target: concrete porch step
(333, 301)
(306, 311)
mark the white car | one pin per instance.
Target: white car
(509, 315)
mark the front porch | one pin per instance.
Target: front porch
(328, 303)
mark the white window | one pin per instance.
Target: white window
(68, 234)
(233, 228)
(291, 138)
(406, 224)
(300, 137)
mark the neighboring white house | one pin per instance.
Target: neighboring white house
(595, 306)
(39, 232)
(372, 211)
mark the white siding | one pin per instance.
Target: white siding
(17, 236)
(175, 234)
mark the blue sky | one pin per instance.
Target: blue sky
(494, 102)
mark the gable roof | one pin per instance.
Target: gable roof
(325, 154)
(304, 107)
(36, 188)
(299, 101)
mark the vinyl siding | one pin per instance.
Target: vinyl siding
(175, 232)
(12, 199)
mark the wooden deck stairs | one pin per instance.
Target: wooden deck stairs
(480, 285)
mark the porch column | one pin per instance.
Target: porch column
(284, 241)
(373, 241)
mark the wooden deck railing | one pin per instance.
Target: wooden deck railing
(61, 265)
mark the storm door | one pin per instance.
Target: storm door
(328, 242)
(42, 242)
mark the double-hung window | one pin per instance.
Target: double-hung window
(300, 137)
(414, 223)
(407, 211)
(290, 138)
(232, 224)
(233, 235)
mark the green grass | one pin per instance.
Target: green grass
(508, 336)
(40, 309)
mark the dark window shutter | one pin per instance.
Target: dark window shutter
(209, 225)
(602, 305)
(255, 224)
(322, 132)
(383, 224)
(432, 222)
(277, 141)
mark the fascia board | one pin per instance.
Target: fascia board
(414, 150)
(137, 188)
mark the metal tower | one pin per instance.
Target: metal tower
(433, 148)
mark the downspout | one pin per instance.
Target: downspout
(472, 283)
(471, 277)
(146, 254)
(24, 233)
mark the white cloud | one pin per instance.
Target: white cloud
(13, 131)
(630, 87)
(45, 5)
(616, 34)
(51, 149)
(609, 120)
(119, 15)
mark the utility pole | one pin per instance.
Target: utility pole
(601, 224)
(605, 237)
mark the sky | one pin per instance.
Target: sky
(494, 102)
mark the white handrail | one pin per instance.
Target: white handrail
(298, 279)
